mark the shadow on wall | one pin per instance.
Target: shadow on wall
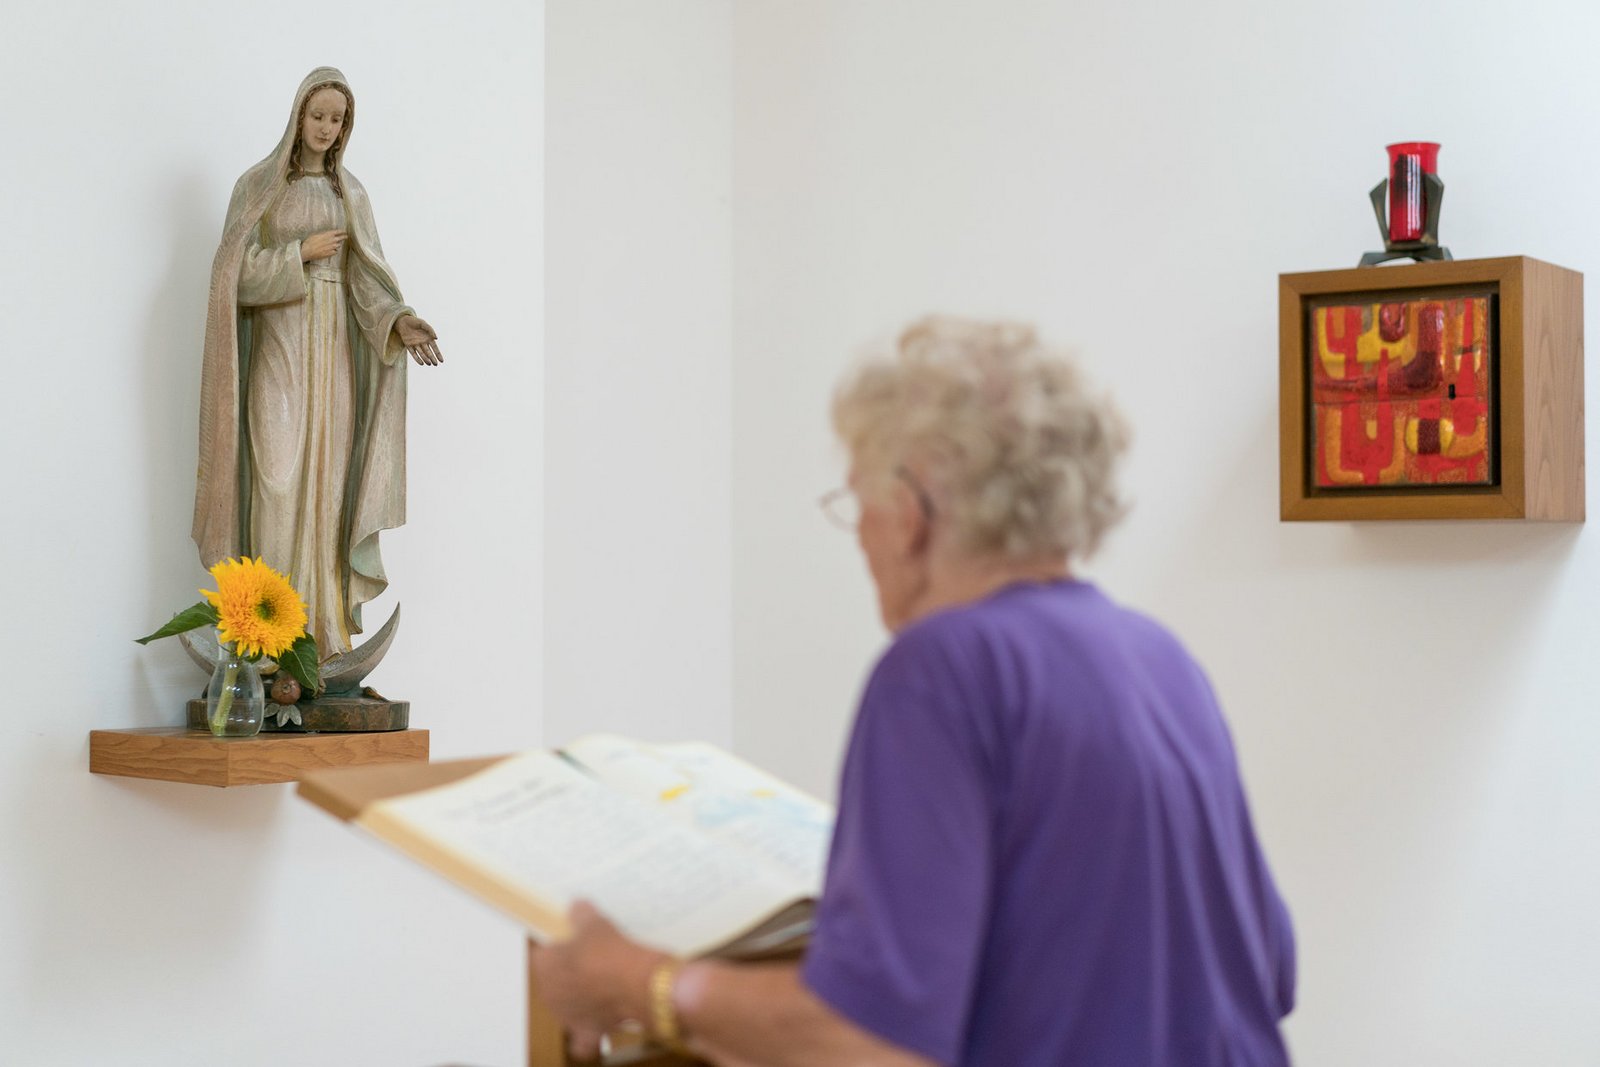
(1377, 579)
(172, 343)
(157, 879)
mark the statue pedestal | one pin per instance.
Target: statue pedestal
(355, 713)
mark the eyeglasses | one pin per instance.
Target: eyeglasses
(843, 507)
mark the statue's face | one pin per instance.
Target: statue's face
(324, 121)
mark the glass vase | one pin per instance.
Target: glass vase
(235, 701)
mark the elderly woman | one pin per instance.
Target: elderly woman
(1043, 853)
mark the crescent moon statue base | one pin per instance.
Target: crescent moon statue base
(345, 706)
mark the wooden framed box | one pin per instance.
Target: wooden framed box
(1433, 391)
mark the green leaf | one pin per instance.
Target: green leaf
(190, 618)
(301, 662)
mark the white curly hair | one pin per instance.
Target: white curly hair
(1004, 432)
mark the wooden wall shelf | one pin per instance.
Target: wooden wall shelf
(1533, 408)
(175, 754)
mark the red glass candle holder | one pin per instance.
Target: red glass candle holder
(1408, 162)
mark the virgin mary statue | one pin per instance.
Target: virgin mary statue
(303, 386)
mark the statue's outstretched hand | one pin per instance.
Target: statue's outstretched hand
(419, 339)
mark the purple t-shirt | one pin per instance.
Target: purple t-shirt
(1043, 853)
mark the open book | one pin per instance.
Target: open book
(683, 846)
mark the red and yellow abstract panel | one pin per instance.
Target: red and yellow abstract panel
(1400, 393)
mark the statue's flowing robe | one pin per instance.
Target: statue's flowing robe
(302, 394)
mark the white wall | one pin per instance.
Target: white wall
(156, 923)
(637, 424)
(1413, 703)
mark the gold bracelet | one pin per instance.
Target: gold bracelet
(663, 1012)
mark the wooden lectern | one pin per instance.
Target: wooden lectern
(346, 792)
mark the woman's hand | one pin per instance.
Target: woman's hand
(322, 245)
(419, 339)
(595, 981)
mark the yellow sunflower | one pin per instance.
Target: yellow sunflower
(258, 611)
